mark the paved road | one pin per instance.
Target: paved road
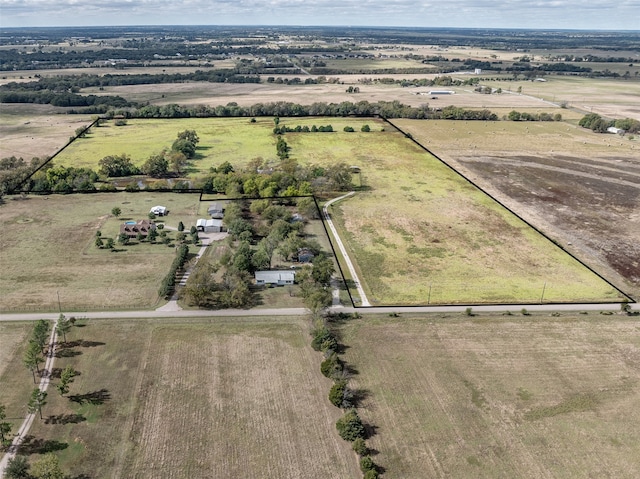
(275, 313)
(352, 270)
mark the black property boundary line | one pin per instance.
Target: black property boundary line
(471, 182)
(280, 198)
(408, 136)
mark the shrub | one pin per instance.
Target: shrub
(331, 367)
(336, 394)
(350, 426)
(367, 464)
(360, 447)
(371, 474)
(320, 336)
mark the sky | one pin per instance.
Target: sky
(535, 14)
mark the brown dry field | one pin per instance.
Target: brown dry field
(232, 398)
(579, 187)
(492, 397)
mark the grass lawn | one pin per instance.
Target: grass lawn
(47, 249)
(500, 397)
(226, 398)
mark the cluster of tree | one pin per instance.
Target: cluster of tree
(63, 99)
(34, 354)
(5, 427)
(286, 180)
(595, 122)
(46, 467)
(113, 166)
(385, 109)
(169, 281)
(281, 129)
(16, 171)
(60, 179)
(282, 148)
(524, 116)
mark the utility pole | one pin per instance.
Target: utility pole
(543, 288)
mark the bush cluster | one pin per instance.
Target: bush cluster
(169, 281)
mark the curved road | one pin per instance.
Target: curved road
(352, 270)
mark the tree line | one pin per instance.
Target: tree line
(597, 123)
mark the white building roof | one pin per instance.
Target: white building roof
(208, 223)
(275, 276)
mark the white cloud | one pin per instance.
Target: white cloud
(622, 14)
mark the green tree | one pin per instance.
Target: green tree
(189, 135)
(180, 226)
(40, 334)
(185, 147)
(63, 326)
(360, 447)
(5, 427)
(47, 467)
(365, 128)
(337, 394)
(66, 378)
(109, 244)
(37, 401)
(123, 238)
(99, 243)
(156, 166)
(350, 426)
(17, 468)
(116, 211)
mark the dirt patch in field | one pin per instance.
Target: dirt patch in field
(583, 191)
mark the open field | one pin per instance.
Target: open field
(580, 187)
(231, 398)
(231, 139)
(457, 247)
(47, 249)
(423, 235)
(500, 397)
(36, 130)
(15, 378)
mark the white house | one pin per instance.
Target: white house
(209, 226)
(279, 278)
(159, 210)
(614, 130)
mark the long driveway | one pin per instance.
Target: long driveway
(345, 255)
(45, 376)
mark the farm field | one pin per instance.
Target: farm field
(405, 254)
(226, 398)
(580, 187)
(47, 250)
(499, 397)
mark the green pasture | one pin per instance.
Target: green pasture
(351, 64)
(48, 251)
(230, 139)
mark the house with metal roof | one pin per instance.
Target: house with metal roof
(279, 278)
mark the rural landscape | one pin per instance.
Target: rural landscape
(341, 252)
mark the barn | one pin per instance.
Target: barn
(209, 226)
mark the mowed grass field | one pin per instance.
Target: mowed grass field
(47, 250)
(500, 397)
(230, 398)
(419, 235)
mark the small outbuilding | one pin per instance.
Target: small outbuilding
(305, 255)
(279, 278)
(209, 226)
(615, 131)
(159, 210)
(216, 210)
